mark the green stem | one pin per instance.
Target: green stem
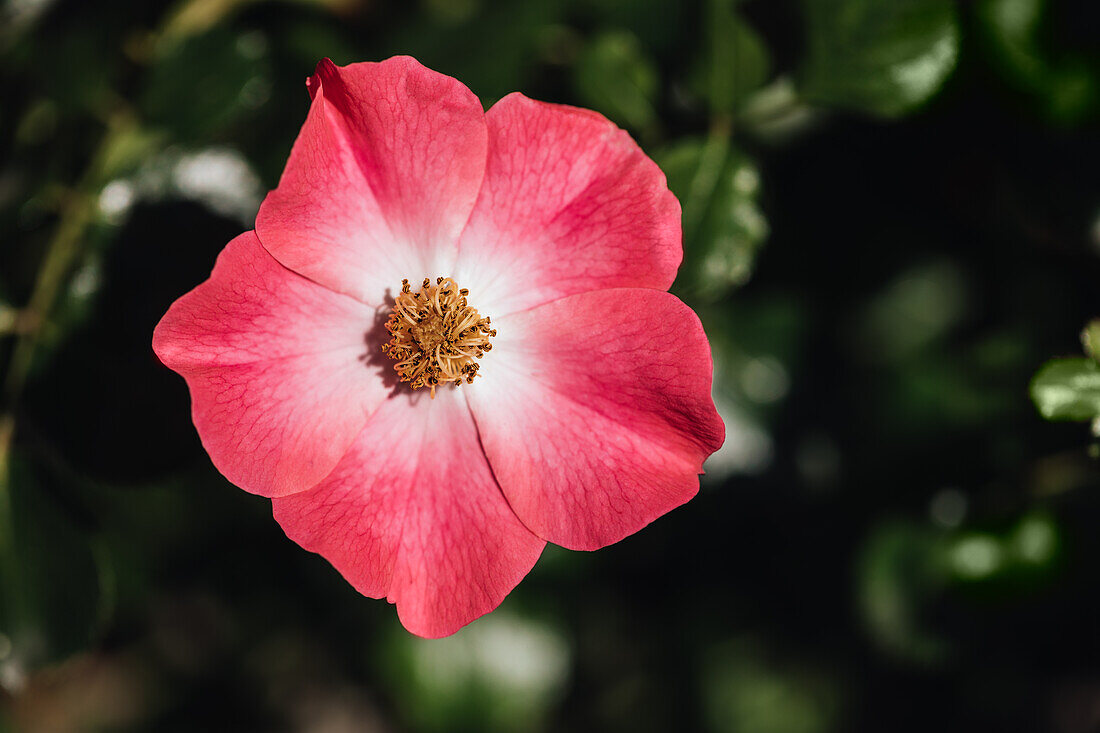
(9, 567)
(60, 256)
(9, 317)
(63, 251)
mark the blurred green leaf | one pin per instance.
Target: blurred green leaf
(658, 24)
(902, 570)
(718, 187)
(776, 112)
(1065, 83)
(501, 673)
(70, 67)
(614, 76)
(1007, 561)
(912, 312)
(192, 17)
(16, 18)
(883, 57)
(8, 319)
(976, 556)
(1034, 542)
(1067, 389)
(200, 85)
(736, 61)
(49, 602)
(309, 40)
(39, 123)
(1012, 27)
(744, 690)
(125, 150)
(755, 344)
(923, 394)
(457, 46)
(1090, 339)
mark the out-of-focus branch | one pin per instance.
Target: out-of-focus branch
(62, 253)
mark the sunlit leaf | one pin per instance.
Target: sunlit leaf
(1067, 389)
(614, 76)
(884, 57)
(724, 228)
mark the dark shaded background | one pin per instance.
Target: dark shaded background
(892, 219)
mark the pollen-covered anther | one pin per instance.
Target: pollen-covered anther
(436, 337)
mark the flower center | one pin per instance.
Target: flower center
(436, 337)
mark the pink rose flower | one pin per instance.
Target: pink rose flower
(448, 341)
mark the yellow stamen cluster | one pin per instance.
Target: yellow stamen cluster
(436, 337)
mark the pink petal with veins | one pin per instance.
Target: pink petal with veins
(596, 414)
(570, 204)
(279, 387)
(381, 180)
(413, 514)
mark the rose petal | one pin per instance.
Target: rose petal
(413, 513)
(381, 180)
(596, 414)
(279, 386)
(570, 203)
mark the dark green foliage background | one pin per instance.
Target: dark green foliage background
(892, 221)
